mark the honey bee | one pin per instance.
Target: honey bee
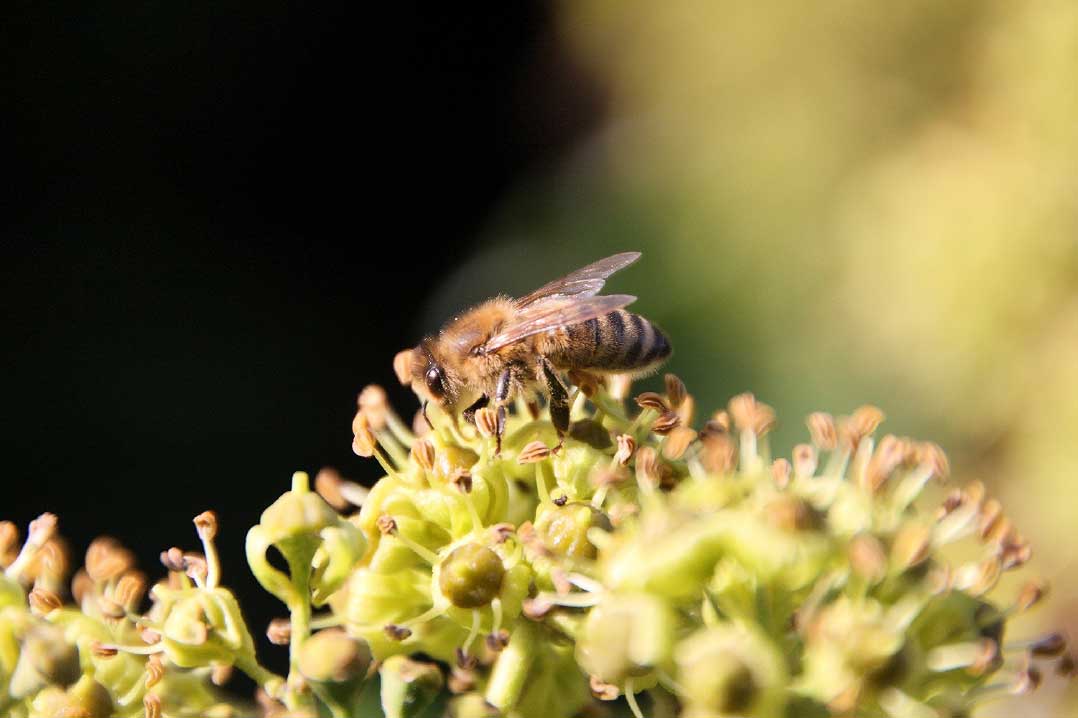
(504, 347)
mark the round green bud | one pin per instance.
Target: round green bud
(792, 513)
(727, 669)
(564, 529)
(471, 576)
(720, 683)
(86, 698)
(332, 656)
(450, 460)
(335, 666)
(299, 512)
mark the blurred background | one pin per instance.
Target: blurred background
(222, 222)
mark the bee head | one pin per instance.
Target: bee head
(429, 377)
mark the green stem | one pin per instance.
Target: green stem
(337, 708)
(540, 484)
(642, 422)
(269, 680)
(610, 407)
(299, 610)
(396, 451)
(400, 430)
(512, 668)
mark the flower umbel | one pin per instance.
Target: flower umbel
(685, 567)
(102, 657)
(676, 568)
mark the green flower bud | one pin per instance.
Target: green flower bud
(626, 636)
(119, 673)
(46, 658)
(293, 523)
(554, 685)
(86, 699)
(471, 576)
(408, 686)
(335, 665)
(332, 656)
(572, 469)
(297, 513)
(449, 461)
(729, 670)
(375, 600)
(853, 647)
(515, 586)
(450, 508)
(388, 489)
(722, 685)
(563, 529)
(792, 513)
(204, 626)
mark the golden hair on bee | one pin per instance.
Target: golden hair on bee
(504, 347)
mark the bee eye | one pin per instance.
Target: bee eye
(434, 382)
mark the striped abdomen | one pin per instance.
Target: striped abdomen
(616, 342)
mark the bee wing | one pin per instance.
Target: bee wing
(586, 281)
(554, 313)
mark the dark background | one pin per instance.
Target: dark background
(221, 222)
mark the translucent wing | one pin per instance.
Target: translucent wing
(586, 281)
(554, 313)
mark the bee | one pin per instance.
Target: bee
(506, 347)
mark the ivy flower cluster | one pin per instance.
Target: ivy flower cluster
(98, 656)
(685, 570)
(650, 561)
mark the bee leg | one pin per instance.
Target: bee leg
(559, 402)
(469, 413)
(427, 418)
(501, 397)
